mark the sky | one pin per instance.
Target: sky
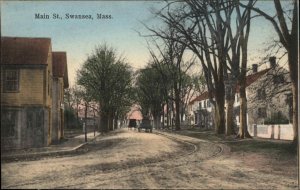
(80, 37)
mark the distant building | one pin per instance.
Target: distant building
(26, 92)
(134, 113)
(92, 119)
(201, 111)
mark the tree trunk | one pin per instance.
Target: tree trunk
(104, 123)
(229, 116)
(168, 120)
(116, 121)
(156, 121)
(85, 119)
(77, 115)
(243, 131)
(182, 111)
(94, 123)
(293, 63)
(163, 114)
(172, 116)
(219, 111)
(219, 118)
(295, 113)
(111, 122)
(177, 111)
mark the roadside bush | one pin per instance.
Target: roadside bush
(70, 119)
(276, 118)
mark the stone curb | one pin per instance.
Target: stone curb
(16, 157)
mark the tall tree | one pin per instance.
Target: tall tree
(104, 75)
(171, 57)
(151, 95)
(206, 27)
(122, 97)
(196, 28)
(243, 131)
(237, 22)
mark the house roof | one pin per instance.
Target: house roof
(66, 77)
(252, 78)
(203, 96)
(60, 66)
(249, 80)
(59, 63)
(24, 51)
(135, 114)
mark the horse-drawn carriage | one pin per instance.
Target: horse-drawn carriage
(146, 125)
(132, 124)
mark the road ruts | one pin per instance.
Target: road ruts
(131, 173)
(145, 170)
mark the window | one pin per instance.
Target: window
(49, 84)
(34, 118)
(262, 112)
(200, 105)
(208, 103)
(277, 79)
(237, 97)
(261, 94)
(289, 102)
(8, 123)
(204, 104)
(31, 118)
(11, 80)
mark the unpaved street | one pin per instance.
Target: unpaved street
(129, 159)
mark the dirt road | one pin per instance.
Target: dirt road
(132, 160)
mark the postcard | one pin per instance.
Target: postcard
(149, 94)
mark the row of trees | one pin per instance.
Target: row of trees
(108, 86)
(217, 32)
(206, 28)
(164, 89)
(167, 62)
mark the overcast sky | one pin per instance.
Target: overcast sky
(79, 37)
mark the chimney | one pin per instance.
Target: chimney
(272, 62)
(254, 68)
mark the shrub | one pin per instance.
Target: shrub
(276, 118)
(70, 118)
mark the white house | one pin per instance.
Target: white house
(200, 111)
(268, 95)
